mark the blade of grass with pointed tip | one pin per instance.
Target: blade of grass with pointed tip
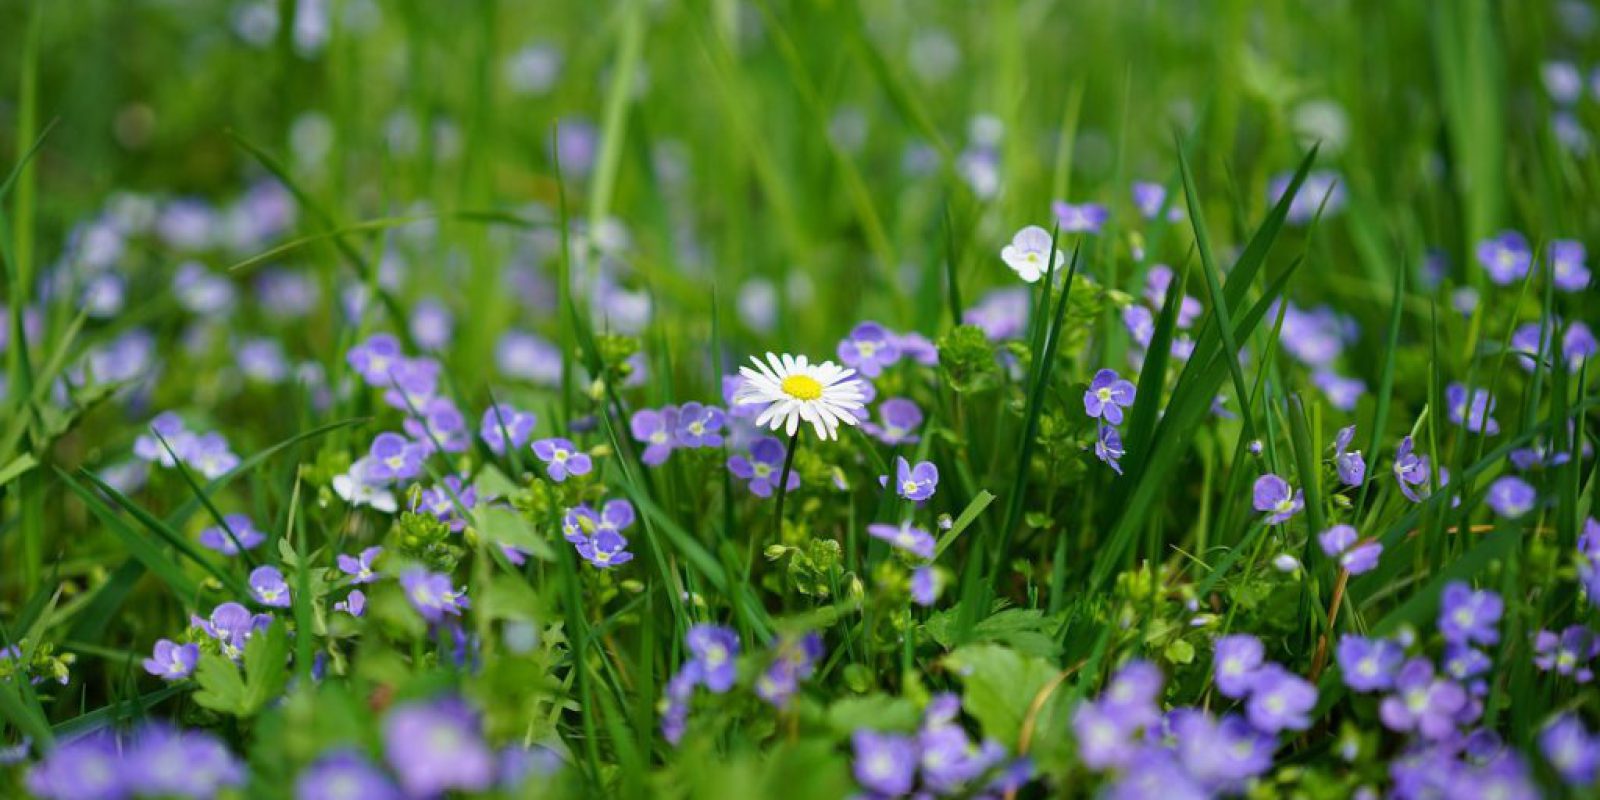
(235, 585)
(140, 547)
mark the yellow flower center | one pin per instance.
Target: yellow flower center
(802, 387)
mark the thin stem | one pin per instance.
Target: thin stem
(783, 483)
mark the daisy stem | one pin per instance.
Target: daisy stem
(783, 483)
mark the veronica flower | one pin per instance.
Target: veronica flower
(562, 458)
(170, 427)
(354, 604)
(885, 763)
(172, 661)
(374, 358)
(1082, 218)
(1223, 754)
(431, 324)
(1133, 692)
(925, 585)
(432, 595)
(1343, 393)
(1236, 661)
(1108, 447)
(1369, 665)
(1105, 741)
(357, 489)
(763, 467)
(1341, 542)
(392, 458)
(1463, 664)
(713, 649)
(1505, 256)
(89, 767)
(165, 762)
(918, 348)
(411, 383)
(1001, 313)
(899, 420)
(1478, 419)
(243, 530)
(202, 292)
(504, 427)
(210, 456)
(655, 430)
(1422, 703)
(1280, 700)
(1568, 653)
(914, 483)
(1570, 749)
(793, 390)
(1537, 456)
(1273, 496)
(794, 660)
(231, 625)
(436, 746)
(1148, 198)
(439, 427)
(1350, 465)
(1412, 472)
(1321, 189)
(344, 775)
(1467, 616)
(1511, 497)
(262, 360)
(268, 586)
(699, 426)
(447, 500)
(1029, 254)
(1567, 268)
(904, 536)
(527, 357)
(1107, 395)
(605, 549)
(869, 349)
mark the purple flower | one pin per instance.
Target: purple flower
(1105, 740)
(431, 324)
(904, 536)
(1132, 693)
(411, 383)
(1369, 665)
(1422, 703)
(699, 425)
(1315, 337)
(925, 585)
(1570, 749)
(504, 427)
(915, 483)
(436, 746)
(1350, 465)
(1343, 393)
(1340, 541)
(1083, 218)
(1272, 496)
(1412, 472)
(393, 458)
(528, 357)
(172, 661)
(1280, 700)
(440, 427)
(899, 420)
(1149, 197)
(210, 455)
(918, 348)
(359, 568)
(1237, 660)
(446, 501)
(432, 595)
(885, 763)
(869, 348)
(171, 428)
(231, 625)
(354, 604)
(1222, 755)
(1568, 653)
(1002, 313)
(1467, 616)
(1478, 419)
(1511, 497)
(1107, 395)
(268, 586)
(763, 467)
(605, 549)
(1108, 447)
(562, 458)
(343, 775)
(1505, 256)
(163, 761)
(1320, 188)
(655, 430)
(794, 660)
(713, 650)
(244, 532)
(375, 357)
(86, 768)
(1567, 268)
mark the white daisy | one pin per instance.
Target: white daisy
(1028, 253)
(795, 390)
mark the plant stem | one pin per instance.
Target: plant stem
(783, 484)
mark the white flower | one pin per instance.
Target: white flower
(1028, 252)
(795, 390)
(352, 487)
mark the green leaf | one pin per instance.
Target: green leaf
(878, 712)
(999, 685)
(1027, 630)
(500, 525)
(224, 689)
(18, 465)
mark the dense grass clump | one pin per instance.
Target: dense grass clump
(798, 399)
